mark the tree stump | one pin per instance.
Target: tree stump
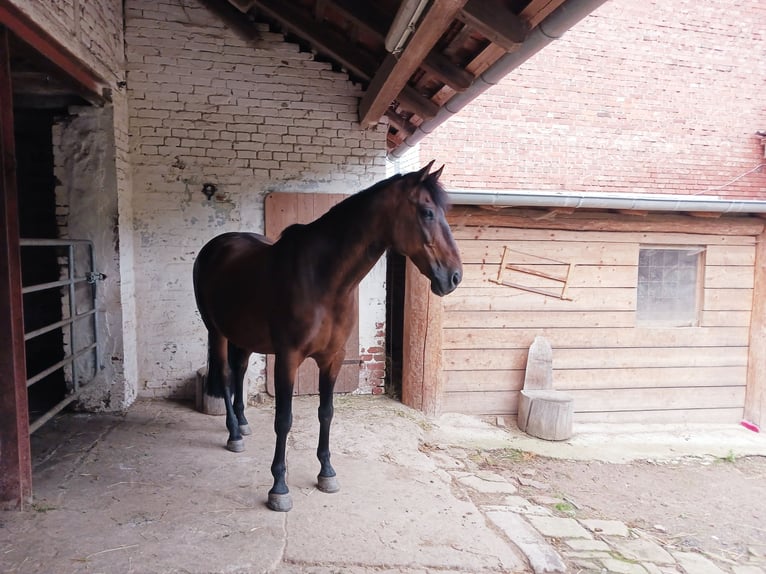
(205, 403)
(546, 414)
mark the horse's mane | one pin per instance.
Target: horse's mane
(345, 210)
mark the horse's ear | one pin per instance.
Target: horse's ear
(423, 173)
(435, 175)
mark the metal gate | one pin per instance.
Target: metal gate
(78, 326)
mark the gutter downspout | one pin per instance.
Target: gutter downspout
(593, 200)
(551, 28)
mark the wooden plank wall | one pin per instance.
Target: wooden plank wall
(616, 369)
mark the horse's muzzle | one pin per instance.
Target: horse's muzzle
(446, 281)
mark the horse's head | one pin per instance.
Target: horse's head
(421, 231)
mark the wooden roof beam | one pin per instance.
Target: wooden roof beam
(366, 14)
(493, 20)
(412, 101)
(321, 37)
(447, 72)
(393, 75)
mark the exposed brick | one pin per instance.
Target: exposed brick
(645, 97)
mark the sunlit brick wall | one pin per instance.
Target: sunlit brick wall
(639, 97)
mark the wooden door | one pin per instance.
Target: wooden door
(280, 211)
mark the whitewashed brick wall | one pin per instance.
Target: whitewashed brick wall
(252, 115)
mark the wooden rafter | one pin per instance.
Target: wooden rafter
(392, 76)
(325, 40)
(413, 102)
(366, 14)
(493, 20)
(447, 72)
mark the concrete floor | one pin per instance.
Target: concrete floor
(154, 490)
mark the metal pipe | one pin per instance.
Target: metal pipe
(594, 200)
(550, 29)
(404, 24)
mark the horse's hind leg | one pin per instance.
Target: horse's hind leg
(238, 359)
(219, 385)
(326, 481)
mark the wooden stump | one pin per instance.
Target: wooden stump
(546, 414)
(205, 403)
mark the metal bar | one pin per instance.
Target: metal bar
(51, 285)
(61, 363)
(52, 326)
(72, 341)
(56, 409)
(34, 242)
(94, 293)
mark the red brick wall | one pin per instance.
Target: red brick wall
(640, 97)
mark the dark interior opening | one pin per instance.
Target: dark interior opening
(395, 278)
(37, 219)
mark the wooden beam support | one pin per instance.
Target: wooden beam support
(15, 457)
(412, 101)
(493, 20)
(90, 84)
(447, 72)
(324, 40)
(755, 389)
(366, 14)
(537, 10)
(400, 123)
(393, 75)
(422, 379)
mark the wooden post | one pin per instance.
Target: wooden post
(755, 392)
(422, 345)
(15, 458)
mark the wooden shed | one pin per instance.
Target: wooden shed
(653, 306)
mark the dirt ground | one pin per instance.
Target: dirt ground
(713, 505)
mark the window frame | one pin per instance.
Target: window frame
(699, 287)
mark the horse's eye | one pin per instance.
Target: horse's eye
(426, 213)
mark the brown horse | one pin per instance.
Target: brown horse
(294, 298)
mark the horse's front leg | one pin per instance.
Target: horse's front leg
(285, 366)
(328, 373)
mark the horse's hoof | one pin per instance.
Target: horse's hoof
(328, 484)
(235, 445)
(280, 502)
(245, 430)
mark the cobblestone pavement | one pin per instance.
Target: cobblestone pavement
(553, 542)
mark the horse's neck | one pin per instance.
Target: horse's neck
(355, 252)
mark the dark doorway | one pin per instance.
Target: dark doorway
(36, 186)
(395, 278)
